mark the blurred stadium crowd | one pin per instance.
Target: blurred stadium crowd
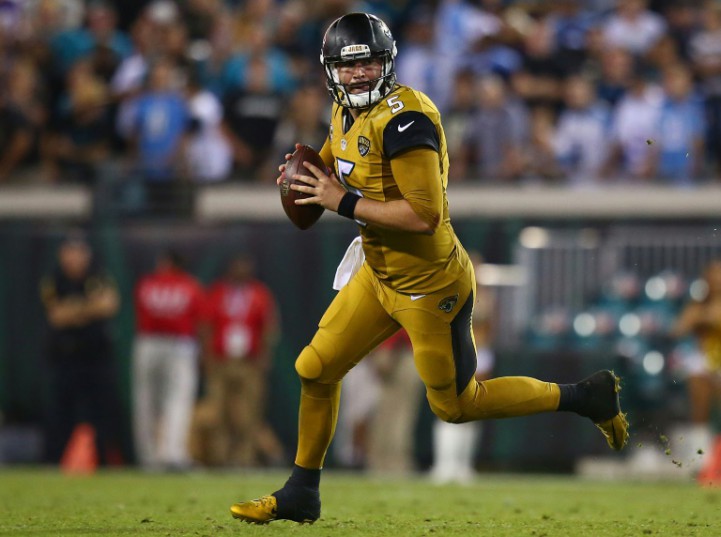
(564, 92)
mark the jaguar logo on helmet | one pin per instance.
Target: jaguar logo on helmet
(355, 36)
(386, 30)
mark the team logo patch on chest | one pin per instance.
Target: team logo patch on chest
(448, 303)
(364, 145)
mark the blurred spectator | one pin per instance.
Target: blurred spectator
(358, 401)
(634, 126)
(22, 116)
(460, 25)
(417, 66)
(304, 121)
(292, 39)
(538, 82)
(392, 426)
(541, 164)
(705, 52)
(99, 39)
(208, 155)
(258, 67)
(580, 138)
(156, 35)
(497, 135)
(683, 21)
(81, 138)
(616, 73)
(455, 444)
(253, 16)
(665, 52)
(495, 52)
(238, 354)
(48, 17)
(169, 307)
(701, 321)
(570, 22)
(632, 26)
(199, 17)
(155, 123)
(678, 146)
(255, 56)
(173, 43)
(251, 115)
(129, 78)
(463, 107)
(80, 299)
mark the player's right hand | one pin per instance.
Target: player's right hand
(281, 168)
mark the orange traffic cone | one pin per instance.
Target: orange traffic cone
(710, 475)
(80, 456)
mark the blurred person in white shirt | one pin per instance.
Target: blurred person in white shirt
(633, 26)
(633, 127)
(580, 140)
(208, 153)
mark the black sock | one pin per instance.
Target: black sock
(304, 477)
(570, 398)
(594, 397)
(299, 499)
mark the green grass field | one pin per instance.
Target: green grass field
(125, 503)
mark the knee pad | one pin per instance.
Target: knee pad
(309, 365)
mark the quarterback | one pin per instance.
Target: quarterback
(387, 147)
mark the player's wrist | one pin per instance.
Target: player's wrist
(347, 205)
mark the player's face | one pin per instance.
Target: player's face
(74, 259)
(358, 73)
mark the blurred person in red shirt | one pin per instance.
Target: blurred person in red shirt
(169, 307)
(230, 426)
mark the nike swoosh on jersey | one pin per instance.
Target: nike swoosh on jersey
(416, 297)
(404, 127)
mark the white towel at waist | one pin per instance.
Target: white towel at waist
(350, 264)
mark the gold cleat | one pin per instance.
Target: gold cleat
(615, 429)
(260, 511)
(265, 510)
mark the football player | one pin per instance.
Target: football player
(387, 147)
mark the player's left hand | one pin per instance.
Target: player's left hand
(324, 189)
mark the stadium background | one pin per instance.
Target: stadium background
(209, 222)
(127, 248)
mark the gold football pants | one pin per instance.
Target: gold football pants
(366, 312)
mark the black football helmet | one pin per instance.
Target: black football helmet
(353, 37)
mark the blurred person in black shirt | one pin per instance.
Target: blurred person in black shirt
(253, 110)
(22, 115)
(81, 135)
(79, 301)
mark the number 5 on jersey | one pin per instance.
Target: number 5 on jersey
(345, 168)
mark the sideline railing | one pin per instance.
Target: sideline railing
(230, 202)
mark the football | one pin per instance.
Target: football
(303, 216)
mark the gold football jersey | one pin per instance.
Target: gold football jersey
(362, 151)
